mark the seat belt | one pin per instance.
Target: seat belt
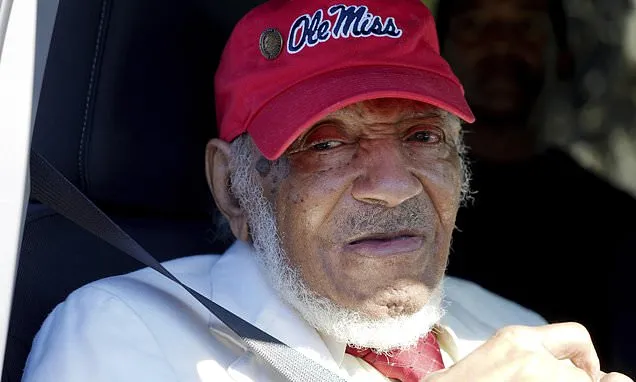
(51, 188)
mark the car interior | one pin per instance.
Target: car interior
(125, 111)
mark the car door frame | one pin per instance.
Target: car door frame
(18, 22)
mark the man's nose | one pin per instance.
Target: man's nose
(386, 178)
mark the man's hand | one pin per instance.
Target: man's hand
(558, 352)
(614, 377)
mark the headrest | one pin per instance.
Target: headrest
(127, 106)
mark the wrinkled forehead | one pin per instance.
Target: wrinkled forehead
(384, 110)
(463, 6)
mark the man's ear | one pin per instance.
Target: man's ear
(217, 168)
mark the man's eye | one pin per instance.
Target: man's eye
(425, 136)
(326, 145)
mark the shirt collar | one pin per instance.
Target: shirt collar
(337, 349)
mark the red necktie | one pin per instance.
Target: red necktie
(410, 365)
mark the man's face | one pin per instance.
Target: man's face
(496, 48)
(365, 204)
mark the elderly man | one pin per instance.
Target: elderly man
(339, 171)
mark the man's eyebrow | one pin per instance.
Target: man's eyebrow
(298, 141)
(324, 121)
(421, 114)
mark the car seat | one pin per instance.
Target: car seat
(126, 109)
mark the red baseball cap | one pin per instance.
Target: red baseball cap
(289, 63)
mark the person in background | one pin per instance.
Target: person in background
(536, 213)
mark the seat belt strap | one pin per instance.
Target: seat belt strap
(51, 188)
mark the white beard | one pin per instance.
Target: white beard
(342, 324)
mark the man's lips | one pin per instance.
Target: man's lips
(385, 244)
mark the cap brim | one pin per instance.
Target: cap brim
(286, 116)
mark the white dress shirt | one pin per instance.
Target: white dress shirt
(143, 327)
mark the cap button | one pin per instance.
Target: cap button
(271, 43)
